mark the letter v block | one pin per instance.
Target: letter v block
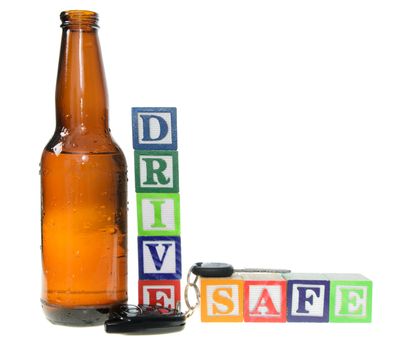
(350, 298)
(159, 258)
(307, 297)
(156, 171)
(158, 214)
(161, 293)
(154, 128)
(264, 297)
(222, 299)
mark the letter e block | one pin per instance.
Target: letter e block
(156, 171)
(162, 293)
(307, 297)
(158, 214)
(350, 298)
(154, 128)
(222, 299)
(264, 297)
(159, 258)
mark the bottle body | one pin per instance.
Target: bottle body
(83, 192)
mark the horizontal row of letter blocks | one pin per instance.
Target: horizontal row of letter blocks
(289, 297)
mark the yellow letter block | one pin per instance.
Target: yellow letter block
(222, 299)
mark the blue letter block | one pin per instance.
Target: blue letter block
(159, 258)
(154, 128)
(307, 297)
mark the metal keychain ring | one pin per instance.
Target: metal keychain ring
(189, 276)
(191, 308)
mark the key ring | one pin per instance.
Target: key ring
(191, 308)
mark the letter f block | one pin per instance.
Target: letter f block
(307, 297)
(154, 128)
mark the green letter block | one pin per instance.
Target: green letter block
(158, 214)
(156, 171)
(350, 298)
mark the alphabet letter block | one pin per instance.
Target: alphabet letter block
(154, 128)
(264, 297)
(350, 298)
(161, 293)
(308, 297)
(158, 214)
(159, 258)
(156, 171)
(222, 299)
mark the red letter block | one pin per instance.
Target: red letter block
(264, 297)
(165, 293)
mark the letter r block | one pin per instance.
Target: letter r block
(154, 128)
(307, 297)
(159, 258)
(158, 214)
(264, 297)
(156, 171)
(222, 299)
(162, 293)
(350, 298)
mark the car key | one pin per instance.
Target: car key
(148, 319)
(226, 270)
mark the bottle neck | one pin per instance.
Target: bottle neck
(81, 93)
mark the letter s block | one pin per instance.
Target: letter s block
(222, 299)
(154, 128)
(350, 298)
(307, 297)
(165, 293)
(156, 171)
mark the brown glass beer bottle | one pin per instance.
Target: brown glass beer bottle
(84, 188)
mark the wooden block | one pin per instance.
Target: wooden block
(350, 298)
(159, 258)
(156, 171)
(307, 297)
(222, 299)
(158, 214)
(154, 128)
(165, 293)
(264, 297)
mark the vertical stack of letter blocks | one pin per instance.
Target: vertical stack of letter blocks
(291, 297)
(158, 205)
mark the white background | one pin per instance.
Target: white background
(290, 142)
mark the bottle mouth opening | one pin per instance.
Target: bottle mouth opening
(79, 18)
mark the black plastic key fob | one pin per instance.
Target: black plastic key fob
(144, 319)
(212, 269)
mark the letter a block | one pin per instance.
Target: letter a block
(154, 128)
(222, 299)
(307, 297)
(264, 297)
(161, 293)
(159, 258)
(350, 298)
(156, 171)
(158, 214)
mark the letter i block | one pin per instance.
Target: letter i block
(350, 298)
(222, 299)
(158, 214)
(156, 171)
(159, 258)
(307, 297)
(154, 128)
(161, 293)
(264, 297)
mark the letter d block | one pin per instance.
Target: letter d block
(156, 171)
(222, 299)
(158, 214)
(264, 297)
(308, 297)
(154, 128)
(161, 293)
(350, 298)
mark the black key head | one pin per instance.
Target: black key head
(213, 270)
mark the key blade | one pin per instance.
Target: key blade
(261, 270)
